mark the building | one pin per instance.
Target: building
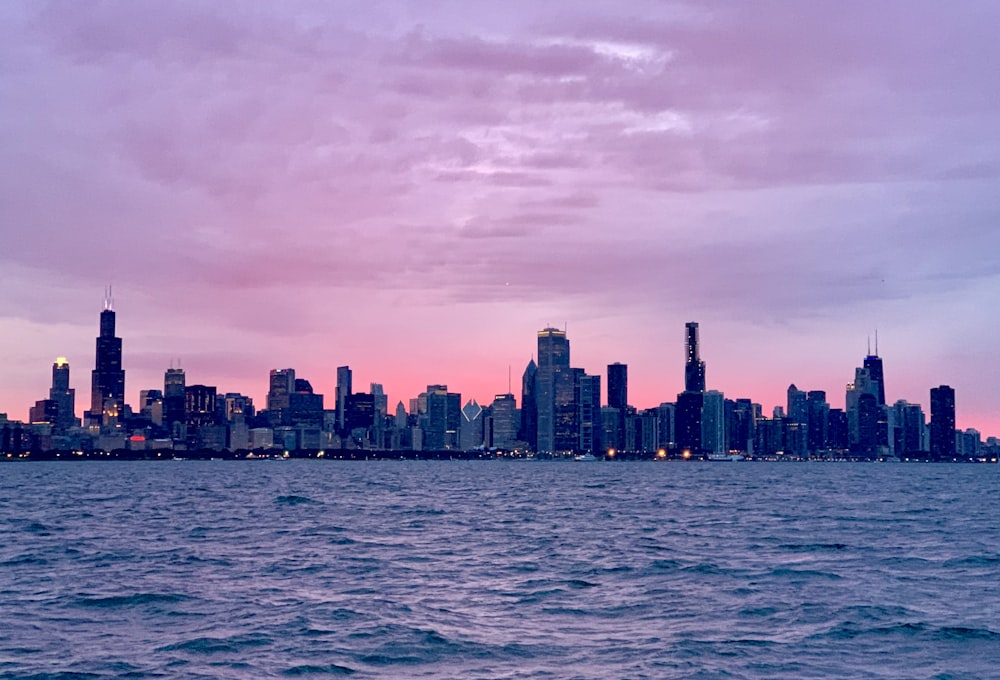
(281, 385)
(441, 421)
(199, 406)
(554, 392)
(618, 385)
(694, 367)
(943, 423)
(305, 407)
(471, 429)
(909, 425)
(687, 421)
(504, 422)
(107, 392)
(151, 406)
(344, 389)
(797, 410)
(713, 423)
(817, 417)
(529, 406)
(174, 384)
(64, 397)
(587, 396)
(665, 425)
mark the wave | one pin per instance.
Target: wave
(213, 645)
(851, 630)
(134, 600)
(295, 500)
(325, 669)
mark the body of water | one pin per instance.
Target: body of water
(499, 570)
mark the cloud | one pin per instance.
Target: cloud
(309, 168)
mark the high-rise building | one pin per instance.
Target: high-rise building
(687, 421)
(713, 423)
(441, 421)
(665, 423)
(838, 430)
(529, 406)
(151, 406)
(873, 362)
(471, 430)
(863, 384)
(381, 401)
(503, 422)
(818, 414)
(199, 405)
(909, 424)
(554, 393)
(107, 393)
(305, 407)
(63, 395)
(281, 385)
(174, 384)
(740, 425)
(796, 404)
(618, 385)
(588, 400)
(943, 422)
(694, 367)
(344, 388)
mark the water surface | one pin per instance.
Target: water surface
(499, 570)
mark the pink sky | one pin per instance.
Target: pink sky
(416, 188)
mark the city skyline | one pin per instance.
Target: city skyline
(567, 408)
(415, 190)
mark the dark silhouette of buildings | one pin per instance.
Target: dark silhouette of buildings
(528, 432)
(107, 394)
(694, 367)
(618, 385)
(174, 397)
(554, 392)
(344, 389)
(943, 422)
(63, 396)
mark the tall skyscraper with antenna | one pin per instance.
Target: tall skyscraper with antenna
(694, 367)
(107, 392)
(873, 362)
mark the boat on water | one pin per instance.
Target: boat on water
(585, 457)
(725, 457)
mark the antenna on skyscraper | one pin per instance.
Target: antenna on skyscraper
(876, 342)
(869, 345)
(508, 379)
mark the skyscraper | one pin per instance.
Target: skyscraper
(442, 421)
(174, 383)
(107, 393)
(713, 422)
(344, 389)
(281, 385)
(873, 362)
(503, 422)
(618, 385)
(818, 411)
(943, 422)
(529, 406)
(63, 396)
(797, 411)
(694, 367)
(588, 401)
(554, 392)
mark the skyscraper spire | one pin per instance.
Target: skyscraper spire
(109, 302)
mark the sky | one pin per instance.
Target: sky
(414, 189)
